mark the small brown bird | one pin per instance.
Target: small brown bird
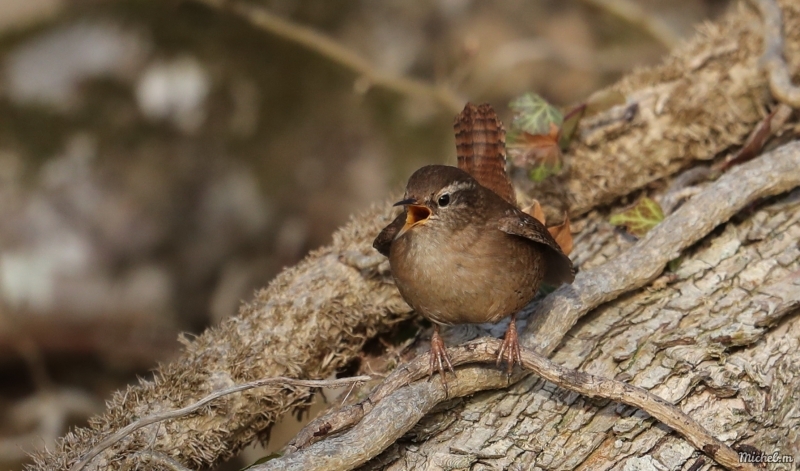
(461, 253)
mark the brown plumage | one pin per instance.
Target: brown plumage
(460, 252)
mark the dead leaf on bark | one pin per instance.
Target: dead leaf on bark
(538, 152)
(561, 233)
(535, 210)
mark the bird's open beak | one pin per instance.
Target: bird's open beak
(415, 214)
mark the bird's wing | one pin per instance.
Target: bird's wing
(383, 242)
(558, 267)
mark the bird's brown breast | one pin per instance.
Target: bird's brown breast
(479, 274)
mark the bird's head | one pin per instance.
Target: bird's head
(439, 196)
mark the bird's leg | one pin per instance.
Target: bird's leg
(509, 350)
(439, 356)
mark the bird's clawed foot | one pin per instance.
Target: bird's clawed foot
(439, 357)
(509, 350)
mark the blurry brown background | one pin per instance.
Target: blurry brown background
(160, 160)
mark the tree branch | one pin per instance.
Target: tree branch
(332, 50)
(634, 14)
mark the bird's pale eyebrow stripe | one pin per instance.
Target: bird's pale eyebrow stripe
(457, 186)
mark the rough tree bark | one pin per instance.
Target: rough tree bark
(709, 336)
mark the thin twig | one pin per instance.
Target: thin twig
(780, 80)
(173, 414)
(338, 53)
(634, 14)
(771, 174)
(336, 452)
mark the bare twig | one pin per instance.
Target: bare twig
(780, 81)
(336, 52)
(771, 174)
(635, 14)
(173, 414)
(339, 453)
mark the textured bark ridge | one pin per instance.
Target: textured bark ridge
(721, 336)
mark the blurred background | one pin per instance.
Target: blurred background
(161, 160)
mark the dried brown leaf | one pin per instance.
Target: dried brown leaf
(562, 234)
(538, 152)
(535, 210)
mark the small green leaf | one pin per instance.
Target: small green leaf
(541, 172)
(640, 218)
(533, 114)
(674, 264)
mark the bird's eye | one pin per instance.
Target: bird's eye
(444, 200)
